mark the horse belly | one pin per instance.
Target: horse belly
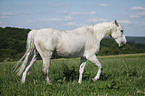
(70, 49)
(65, 53)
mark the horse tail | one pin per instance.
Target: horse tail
(28, 54)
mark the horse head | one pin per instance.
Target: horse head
(118, 34)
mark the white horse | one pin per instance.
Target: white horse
(82, 42)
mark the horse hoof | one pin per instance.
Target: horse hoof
(49, 83)
(79, 82)
(22, 81)
(94, 79)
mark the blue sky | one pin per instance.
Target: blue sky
(71, 14)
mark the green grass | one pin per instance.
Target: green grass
(121, 76)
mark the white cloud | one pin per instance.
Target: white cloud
(103, 5)
(8, 14)
(70, 23)
(83, 13)
(67, 18)
(58, 5)
(134, 16)
(97, 20)
(4, 16)
(141, 23)
(51, 20)
(74, 24)
(45, 20)
(142, 13)
(92, 13)
(138, 15)
(79, 25)
(124, 21)
(137, 8)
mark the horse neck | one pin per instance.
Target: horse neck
(102, 31)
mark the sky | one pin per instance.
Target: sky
(71, 14)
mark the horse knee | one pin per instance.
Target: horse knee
(100, 67)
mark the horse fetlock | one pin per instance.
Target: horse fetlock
(44, 70)
(79, 82)
(100, 66)
(23, 80)
(95, 79)
(48, 81)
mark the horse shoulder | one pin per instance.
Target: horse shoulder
(92, 45)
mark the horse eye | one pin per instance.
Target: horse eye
(122, 31)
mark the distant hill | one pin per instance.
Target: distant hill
(136, 39)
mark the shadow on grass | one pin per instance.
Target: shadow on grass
(104, 76)
(70, 73)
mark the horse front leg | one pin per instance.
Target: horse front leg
(82, 66)
(95, 61)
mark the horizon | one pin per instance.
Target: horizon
(69, 15)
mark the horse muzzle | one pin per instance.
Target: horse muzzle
(122, 44)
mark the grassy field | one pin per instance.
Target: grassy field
(122, 75)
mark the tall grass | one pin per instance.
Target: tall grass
(120, 77)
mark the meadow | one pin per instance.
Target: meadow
(122, 75)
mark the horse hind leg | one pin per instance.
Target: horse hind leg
(46, 56)
(46, 63)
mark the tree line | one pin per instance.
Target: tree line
(13, 45)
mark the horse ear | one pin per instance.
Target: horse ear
(116, 23)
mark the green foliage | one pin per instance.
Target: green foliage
(121, 76)
(110, 47)
(12, 42)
